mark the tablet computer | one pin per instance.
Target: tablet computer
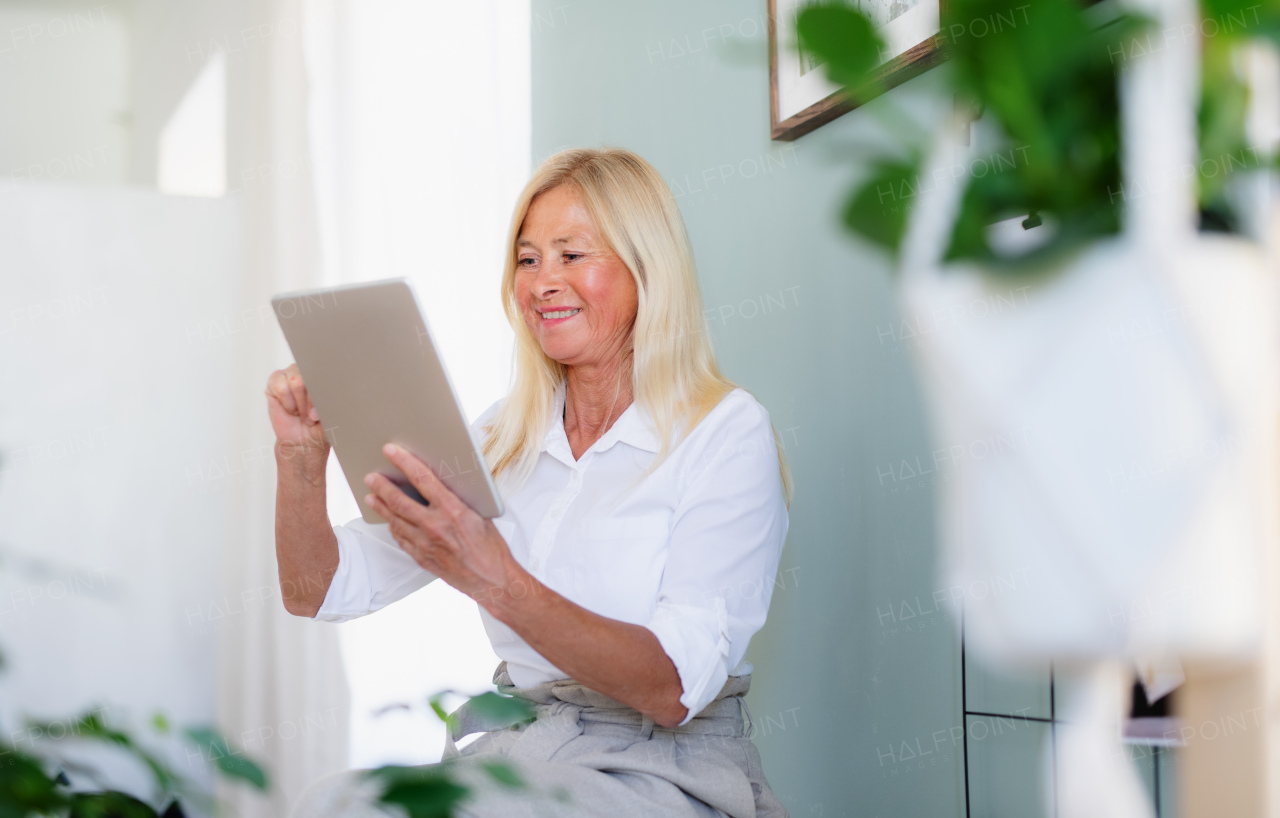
(375, 377)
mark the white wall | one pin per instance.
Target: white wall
(172, 41)
(421, 143)
(115, 435)
(87, 86)
(65, 91)
(421, 117)
(421, 164)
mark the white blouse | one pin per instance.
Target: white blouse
(691, 552)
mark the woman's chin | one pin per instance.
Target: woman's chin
(567, 354)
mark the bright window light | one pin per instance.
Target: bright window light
(193, 144)
(420, 144)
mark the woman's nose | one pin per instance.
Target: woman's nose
(547, 282)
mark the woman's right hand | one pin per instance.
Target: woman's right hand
(306, 547)
(293, 418)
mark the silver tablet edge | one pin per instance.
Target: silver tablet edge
(477, 449)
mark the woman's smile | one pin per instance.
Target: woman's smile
(551, 318)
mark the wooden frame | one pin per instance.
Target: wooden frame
(910, 63)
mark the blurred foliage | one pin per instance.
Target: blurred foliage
(1224, 145)
(35, 783)
(427, 791)
(432, 790)
(1045, 74)
(232, 765)
(492, 708)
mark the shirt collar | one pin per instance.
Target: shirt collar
(633, 427)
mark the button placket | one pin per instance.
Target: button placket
(547, 529)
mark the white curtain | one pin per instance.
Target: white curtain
(282, 690)
(420, 126)
(387, 138)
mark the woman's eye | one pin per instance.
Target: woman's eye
(572, 256)
(526, 262)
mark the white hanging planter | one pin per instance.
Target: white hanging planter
(1120, 506)
(1128, 397)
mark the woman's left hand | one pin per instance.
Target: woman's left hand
(446, 537)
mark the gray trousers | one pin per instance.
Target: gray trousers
(587, 755)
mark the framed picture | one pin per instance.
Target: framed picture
(801, 98)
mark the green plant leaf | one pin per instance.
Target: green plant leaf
(1045, 78)
(504, 774)
(503, 709)
(25, 787)
(108, 804)
(91, 726)
(879, 207)
(843, 39)
(1224, 148)
(1238, 18)
(437, 707)
(174, 810)
(424, 792)
(233, 765)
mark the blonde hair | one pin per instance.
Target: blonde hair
(674, 376)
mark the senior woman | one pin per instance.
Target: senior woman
(646, 497)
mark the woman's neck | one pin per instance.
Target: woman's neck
(594, 399)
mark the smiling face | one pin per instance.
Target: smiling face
(576, 296)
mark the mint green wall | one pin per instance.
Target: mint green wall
(856, 694)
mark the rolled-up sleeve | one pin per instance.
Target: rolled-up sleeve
(723, 553)
(373, 570)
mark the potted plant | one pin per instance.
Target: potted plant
(1093, 275)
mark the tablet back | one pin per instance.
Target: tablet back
(375, 378)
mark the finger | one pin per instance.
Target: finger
(395, 522)
(403, 535)
(300, 397)
(380, 508)
(396, 501)
(307, 409)
(411, 539)
(421, 476)
(400, 527)
(278, 388)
